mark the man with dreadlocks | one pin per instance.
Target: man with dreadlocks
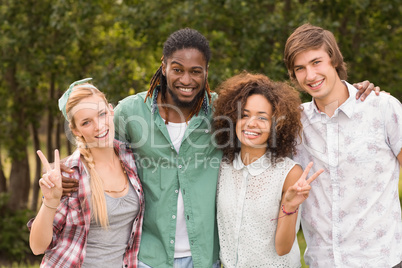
(169, 130)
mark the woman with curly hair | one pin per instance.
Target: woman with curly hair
(260, 189)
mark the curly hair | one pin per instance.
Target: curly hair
(286, 107)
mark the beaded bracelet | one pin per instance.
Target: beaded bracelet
(43, 202)
(288, 213)
(285, 212)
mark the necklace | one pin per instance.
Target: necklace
(125, 186)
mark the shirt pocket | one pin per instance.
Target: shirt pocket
(74, 214)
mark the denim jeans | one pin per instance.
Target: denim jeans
(186, 262)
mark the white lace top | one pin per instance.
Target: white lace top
(248, 197)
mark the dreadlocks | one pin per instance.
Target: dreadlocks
(181, 39)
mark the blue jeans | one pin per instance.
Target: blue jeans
(186, 262)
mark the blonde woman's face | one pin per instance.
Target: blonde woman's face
(94, 122)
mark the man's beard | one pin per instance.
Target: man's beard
(186, 104)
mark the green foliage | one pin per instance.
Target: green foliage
(47, 44)
(14, 234)
(251, 34)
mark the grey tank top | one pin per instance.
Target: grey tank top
(106, 247)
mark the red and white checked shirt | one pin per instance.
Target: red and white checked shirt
(72, 220)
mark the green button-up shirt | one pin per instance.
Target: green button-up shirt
(163, 172)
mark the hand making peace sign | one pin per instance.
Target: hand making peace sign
(296, 194)
(50, 183)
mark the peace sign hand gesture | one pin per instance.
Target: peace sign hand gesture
(296, 194)
(50, 183)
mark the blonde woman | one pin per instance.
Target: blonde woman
(100, 224)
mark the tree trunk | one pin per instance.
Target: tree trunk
(19, 183)
(38, 169)
(50, 119)
(69, 148)
(3, 181)
(58, 133)
(18, 142)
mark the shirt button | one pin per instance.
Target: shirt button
(171, 147)
(176, 191)
(206, 131)
(171, 241)
(173, 217)
(180, 166)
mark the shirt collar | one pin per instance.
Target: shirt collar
(255, 168)
(347, 107)
(154, 104)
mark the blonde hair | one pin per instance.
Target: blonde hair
(98, 201)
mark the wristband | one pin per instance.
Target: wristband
(288, 213)
(285, 212)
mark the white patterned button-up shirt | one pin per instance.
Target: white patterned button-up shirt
(352, 217)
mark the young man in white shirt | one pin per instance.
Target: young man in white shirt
(352, 217)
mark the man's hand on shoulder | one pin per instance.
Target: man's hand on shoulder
(365, 88)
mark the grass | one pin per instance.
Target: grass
(20, 265)
(302, 246)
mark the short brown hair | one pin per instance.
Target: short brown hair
(286, 108)
(307, 37)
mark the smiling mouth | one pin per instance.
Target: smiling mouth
(102, 135)
(249, 133)
(185, 89)
(316, 84)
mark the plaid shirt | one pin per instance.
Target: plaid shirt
(72, 220)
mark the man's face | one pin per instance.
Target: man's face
(186, 73)
(315, 74)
